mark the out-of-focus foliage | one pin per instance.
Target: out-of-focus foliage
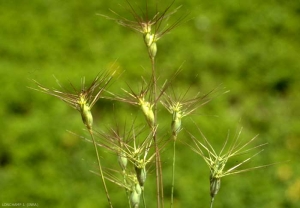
(250, 47)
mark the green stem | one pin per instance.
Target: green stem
(211, 202)
(159, 187)
(100, 168)
(127, 192)
(173, 171)
(144, 199)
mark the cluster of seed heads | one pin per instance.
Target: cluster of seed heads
(125, 145)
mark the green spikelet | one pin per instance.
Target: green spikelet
(150, 42)
(152, 50)
(149, 39)
(148, 112)
(135, 196)
(122, 160)
(141, 175)
(215, 184)
(138, 189)
(86, 115)
(176, 122)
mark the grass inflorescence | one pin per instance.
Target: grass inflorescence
(139, 146)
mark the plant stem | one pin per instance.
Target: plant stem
(173, 170)
(100, 168)
(127, 192)
(144, 199)
(211, 202)
(159, 183)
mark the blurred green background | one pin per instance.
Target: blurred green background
(251, 47)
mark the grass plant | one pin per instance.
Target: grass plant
(136, 148)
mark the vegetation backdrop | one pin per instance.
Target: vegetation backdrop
(250, 47)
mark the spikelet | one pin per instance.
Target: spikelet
(217, 162)
(141, 175)
(215, 184)
(176, 122)
(148, 112)
(82, 100)
(152, 49)
(122, 160)
(149, 39)
(85, 111)
(135, 196)
(143, 24)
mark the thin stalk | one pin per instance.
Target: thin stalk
(144, 199)
(161, 180)
(173, 171)
(100, 168)
(126, 190)
(211, 202)
(159, 183)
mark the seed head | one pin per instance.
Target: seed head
(142, 99)
(82, 100)
(150, 28)
(217, 162)
(130, 149)
(145, 25)
(180, 107)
